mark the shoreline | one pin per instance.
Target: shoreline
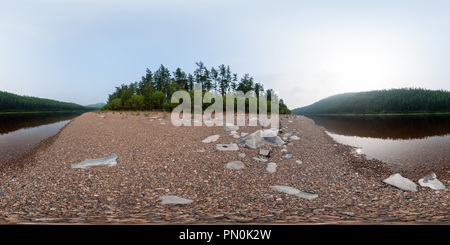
(378, 114)
(159, 159)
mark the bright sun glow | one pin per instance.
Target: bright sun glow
(355, 60)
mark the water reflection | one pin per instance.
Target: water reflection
(406, 143)
(13, 122)
(22, 132)
(388, 127)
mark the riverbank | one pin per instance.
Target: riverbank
(157, 159)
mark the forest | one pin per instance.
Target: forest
(155, 89)
(10, 102)
(404, 100)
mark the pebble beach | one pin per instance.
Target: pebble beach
(158, 161)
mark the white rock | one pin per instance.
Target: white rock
(259, 138)
(259, 159)
(295, 192)
(294, 137)
(98, 162)
(271, 167)
(235, 165)
(432, 182)
(227, 147)
(174, 200)
(401, 182)
(231, 127)
(299, 162)
(211, 138)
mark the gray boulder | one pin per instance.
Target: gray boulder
(97, 162)
(401, 182)
(260, 138)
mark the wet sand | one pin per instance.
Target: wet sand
(157, 160)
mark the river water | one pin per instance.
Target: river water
(406, 143)
(22, 132)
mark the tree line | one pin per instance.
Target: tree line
(10, 102)
(405, 100)
(155, 89)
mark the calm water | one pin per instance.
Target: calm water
(409, 143)
(22, 132)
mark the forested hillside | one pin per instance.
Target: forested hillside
(406, 100)
(155, 90)
(10, 102)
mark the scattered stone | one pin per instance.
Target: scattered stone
(227, 147)
(401, 182)
(299, 162)
(174, 200)
(98, 162)
(259, 138)
(264, 152)
(287, 156)
(201, 150)
(432, 182)
(294, 137)
(259, 159)
(295, 192)
(241, 155)
(211, 138)
(231, 127)
(252, 141)
(271, 138)
(235, 165)
(271, 167)
(236, 136)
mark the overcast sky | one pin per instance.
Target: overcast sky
(80, 50)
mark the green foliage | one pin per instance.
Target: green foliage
(10, 102)
(407, 100)
(136, 102)
(157, 100)
(155, 90)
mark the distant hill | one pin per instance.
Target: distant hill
(96, 106)
(405, 100)
(10, 102)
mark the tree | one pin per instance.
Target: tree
(201, 75)
(214, 76)
(136, 102)
(258, 88)
(224, 79)
(246, 84)
(162, 79)
(181, 79)
(157, 100)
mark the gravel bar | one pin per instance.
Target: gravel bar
(157, 160)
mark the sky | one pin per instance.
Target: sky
(80, 50)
